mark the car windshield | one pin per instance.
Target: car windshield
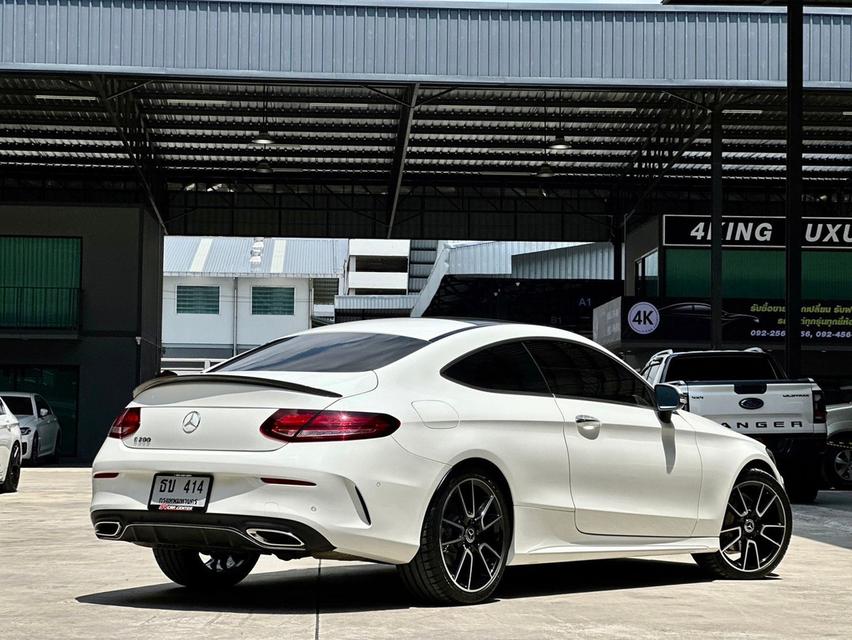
(736, 366)
(328, 352)
(19, 405)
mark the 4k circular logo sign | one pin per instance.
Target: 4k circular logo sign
(643, 318)
(191, 421)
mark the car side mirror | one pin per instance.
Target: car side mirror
(667, 400)
(42, 412)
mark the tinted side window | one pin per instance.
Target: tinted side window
(579, 371)
(504, 367)
(745, 366)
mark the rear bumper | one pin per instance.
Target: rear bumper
(285, 538)
(365, 499)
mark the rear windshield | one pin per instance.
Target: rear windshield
(19, 405)
(330, 352)
(721, 367)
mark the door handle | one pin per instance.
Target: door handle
(589, 426)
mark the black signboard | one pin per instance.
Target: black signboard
(744, 321)
(763, 232)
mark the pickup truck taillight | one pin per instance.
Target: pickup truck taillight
(820, 413)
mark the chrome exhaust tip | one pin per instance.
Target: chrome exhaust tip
(275, 539)
(107, 529)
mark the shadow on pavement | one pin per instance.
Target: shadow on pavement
(376, 587)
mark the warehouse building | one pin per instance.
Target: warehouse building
(125, 121)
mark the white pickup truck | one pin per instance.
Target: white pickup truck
(747, 391)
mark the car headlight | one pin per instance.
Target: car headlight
(25, 431)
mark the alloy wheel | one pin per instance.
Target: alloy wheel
(754, 528)
(472, 535)
(843, 464)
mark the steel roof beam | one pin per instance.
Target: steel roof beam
(129, 123)
(406, 115)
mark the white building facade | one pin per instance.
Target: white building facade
(223, 296)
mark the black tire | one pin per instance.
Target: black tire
(34, 459)
(482, 532)
(745, 521)
(13, 473)
(188, 568)
(838, 473)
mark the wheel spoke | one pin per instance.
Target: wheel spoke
(481, 515)
(766, 537)
(455, 524)
(484, 561)
(739, 514)
(467, 512)
(461, 563)
(472, 499)
(735, 540)
(496, 519)
(768, 504)
(742, 499)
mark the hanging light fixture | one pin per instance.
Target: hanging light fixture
(545, 171)
(560, 143)
(263, 167)
(263, 136)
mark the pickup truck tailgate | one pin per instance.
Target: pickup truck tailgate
(755, 408)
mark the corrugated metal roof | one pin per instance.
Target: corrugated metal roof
(492, 258)
(280, 257)
(379, 302)
(424, 41)
(582, 262)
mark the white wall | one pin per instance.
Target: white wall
(191, 328)
(203, 329)
(254, 330)
(379, 247)
(378, 280)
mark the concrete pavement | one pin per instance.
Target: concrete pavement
(59, 582)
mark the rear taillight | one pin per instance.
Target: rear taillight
(820, 413)
(302, 425)
(126, 424)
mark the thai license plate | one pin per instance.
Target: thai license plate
(180, 492)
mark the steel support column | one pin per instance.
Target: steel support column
(716, 227)
(406, 115)
(793, 227)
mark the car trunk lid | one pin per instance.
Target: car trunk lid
(219, 412)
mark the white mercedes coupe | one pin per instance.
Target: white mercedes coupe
(450, 448)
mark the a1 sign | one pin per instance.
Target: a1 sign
(643, 318)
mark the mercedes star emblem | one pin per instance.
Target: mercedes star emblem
(191, 421)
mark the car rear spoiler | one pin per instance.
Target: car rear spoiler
(230, 379)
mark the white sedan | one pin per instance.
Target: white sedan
(40, 430)
(10, 450)
(449, 448)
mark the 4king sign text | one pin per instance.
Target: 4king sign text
(755, 232)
